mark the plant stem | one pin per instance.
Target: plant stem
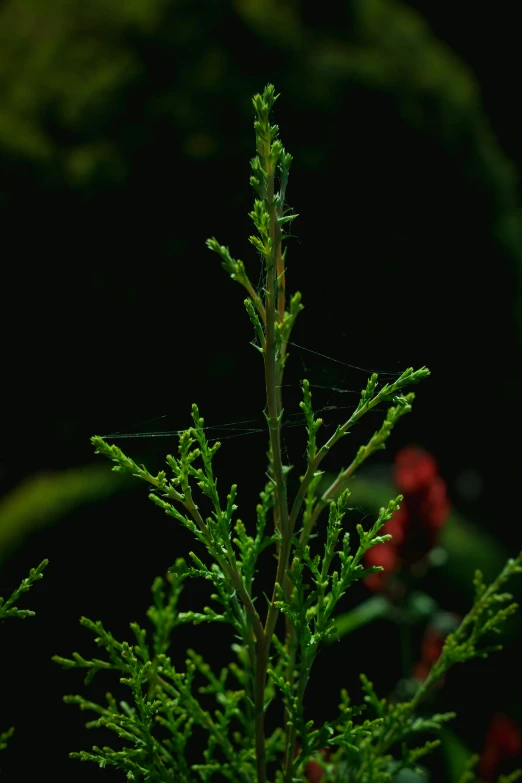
(288, 773)
(259, 710)
(272, 361)
(273, 376)
(305, 533)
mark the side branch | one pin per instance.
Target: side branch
(367, 402)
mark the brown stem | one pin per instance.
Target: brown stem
(273, 373)
(281, 292)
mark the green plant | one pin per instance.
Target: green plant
(8, 608)
(273, 665)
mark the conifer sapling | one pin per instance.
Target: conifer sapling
(275, 645)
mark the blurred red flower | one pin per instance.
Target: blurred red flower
(503, 739)
(414, 470)
(432, 645)
(313, 771)
(384, 555)
(416, 525)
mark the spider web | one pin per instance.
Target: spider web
(336, 387)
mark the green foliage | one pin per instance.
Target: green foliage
(4, 737)
(511, 778)
(487, 616)
(155, 726)
(68, 71)
(72, 73)
(8, 608)
(44, 498)
(165, 708)
(399, 721)
(468, 547)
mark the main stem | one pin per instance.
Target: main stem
(274, 305)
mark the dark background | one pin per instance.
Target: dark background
(125, 140)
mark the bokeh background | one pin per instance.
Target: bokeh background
(125, 140)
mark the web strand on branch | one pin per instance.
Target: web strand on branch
(334, 405)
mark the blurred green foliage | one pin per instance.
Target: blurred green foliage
(66, 63)
(89, 89)
(73, 73)
(44, 499)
